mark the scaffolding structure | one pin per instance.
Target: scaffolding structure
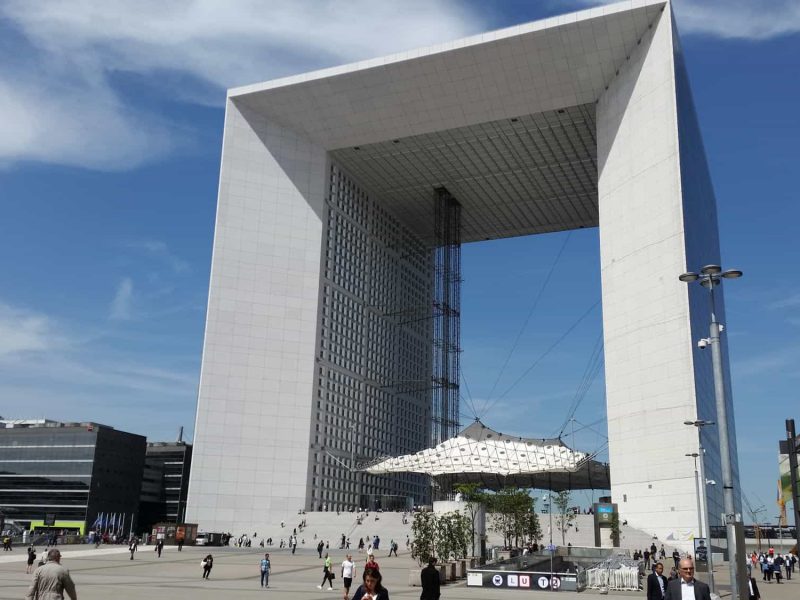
(446, 317)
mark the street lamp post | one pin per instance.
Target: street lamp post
(709, 277)
(702, 506)
(695, 455)
(546, 498)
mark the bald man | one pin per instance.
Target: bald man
(51, 580)
(686, 587)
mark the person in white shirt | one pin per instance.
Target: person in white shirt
(348, 572)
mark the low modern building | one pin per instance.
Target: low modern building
(332, 332)
(69, 476)
(165, 483)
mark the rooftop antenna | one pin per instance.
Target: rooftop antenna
(180, 434)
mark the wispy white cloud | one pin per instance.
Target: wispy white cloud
(63, 59)
(730, 19)
(122, 303)
(44, 362)
(778, 361)
(23, 331)
(57, 91)
(160, 250)
(789, 301)
(742, 19)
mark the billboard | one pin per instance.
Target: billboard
(784, 485)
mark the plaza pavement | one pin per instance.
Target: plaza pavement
(107, 573)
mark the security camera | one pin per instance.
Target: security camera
(702, 344)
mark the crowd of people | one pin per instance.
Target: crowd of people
(772, 564)
(371, 587)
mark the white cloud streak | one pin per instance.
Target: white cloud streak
(43, 362)
(738, 19)
(59, 84)
(122, 303)
(58, 97)
(790, 301)
(781, 361)
(22, 331)
(161, 251)
(729, 19)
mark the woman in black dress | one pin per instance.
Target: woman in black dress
(31, 558)
(208, 563)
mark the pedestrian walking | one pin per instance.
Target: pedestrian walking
(133, 546)
(265, 567)
(207, 564)
(657, 583)
(31, 558)
(327, 573)
(159, 547)
(51, 580)
(348, 572)
(752, 586)
(431, 584)
(371, 564)
(686, 586)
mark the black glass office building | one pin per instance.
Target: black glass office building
(165, 484)
(66, 475)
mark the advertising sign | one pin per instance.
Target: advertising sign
(604, 513)
(519, 581)
(701, 551)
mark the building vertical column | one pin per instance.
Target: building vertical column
(446, 317)
(646, 314)
(252, 430)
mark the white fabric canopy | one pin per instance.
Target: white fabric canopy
(478, 449)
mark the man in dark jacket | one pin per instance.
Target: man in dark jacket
(687, 581)
(657, 583)
(753, 590)
(430, 581)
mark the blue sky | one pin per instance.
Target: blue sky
(109, 156)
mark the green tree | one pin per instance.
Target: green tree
(615, 529)
(565, 516)
(442, 535)
(473, 498)
(423, 530)
(511, 509)
(533, 530)
(452, 535)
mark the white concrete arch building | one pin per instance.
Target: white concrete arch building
(323, 238)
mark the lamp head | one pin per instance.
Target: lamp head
(689, 277)
(731, 274)
(711, 270)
